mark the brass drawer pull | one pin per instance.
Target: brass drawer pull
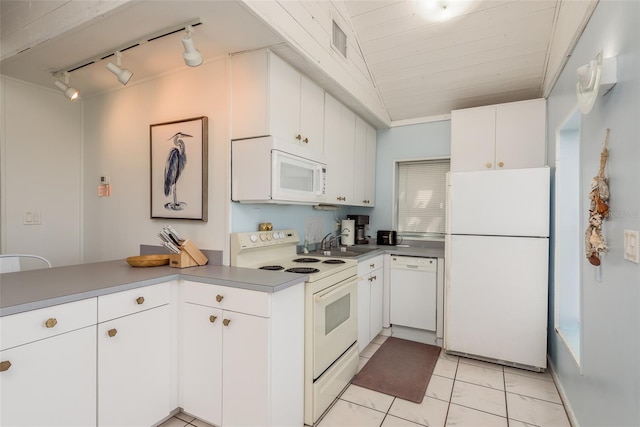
(5, 365)
(140, 300)
(50, 323)
(226, 322)
(501, 164)
(212, 318)
(112, 332)
(219, 298)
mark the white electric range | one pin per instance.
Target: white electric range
(331, 321)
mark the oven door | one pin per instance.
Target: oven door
(335, 323)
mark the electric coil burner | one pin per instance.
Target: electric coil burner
(309, 260)
(302, 270)
(333, 261)
(272, 267)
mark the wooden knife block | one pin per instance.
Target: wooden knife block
(189, 256)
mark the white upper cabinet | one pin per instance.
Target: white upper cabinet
(503, 136)
(365, 164)
(340, 131)
(269, 97)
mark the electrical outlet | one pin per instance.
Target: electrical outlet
(631, 245)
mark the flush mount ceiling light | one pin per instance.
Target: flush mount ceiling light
(599, 75)
(441, 10)
(123, 74)
(69, 92)
(192, 56)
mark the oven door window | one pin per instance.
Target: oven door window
(337, 313)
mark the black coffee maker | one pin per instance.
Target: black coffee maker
(361, 221)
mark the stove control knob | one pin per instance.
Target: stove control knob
(253, 238)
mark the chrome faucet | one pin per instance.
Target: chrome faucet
(323, 243)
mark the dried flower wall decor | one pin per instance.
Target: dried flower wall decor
(598, 211)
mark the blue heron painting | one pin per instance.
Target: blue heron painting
(176, 162)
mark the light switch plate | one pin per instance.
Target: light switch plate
(631, 245)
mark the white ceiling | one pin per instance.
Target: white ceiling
(496, 51)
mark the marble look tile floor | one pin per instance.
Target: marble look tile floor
(461, 392)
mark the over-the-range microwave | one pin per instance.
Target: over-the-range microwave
(260, 173)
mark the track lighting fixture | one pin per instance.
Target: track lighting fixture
(192, 56)
(123, 74)
(69, 92)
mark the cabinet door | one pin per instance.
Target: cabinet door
(201, 362)
(364, 304)
(473, 134)
(133, 374)
(360, 162)
(245, 374)
(370, 166)
(339, 149)
(284, 101)
(375, 323)
(521, 135)
(50, 382)
(311, 116)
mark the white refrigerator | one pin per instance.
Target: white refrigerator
(497, 257)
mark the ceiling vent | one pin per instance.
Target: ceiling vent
(339, 40)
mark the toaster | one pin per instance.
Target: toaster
(387, 237)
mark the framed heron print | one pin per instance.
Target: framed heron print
(179, 153)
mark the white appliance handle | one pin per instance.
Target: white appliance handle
(330, 292)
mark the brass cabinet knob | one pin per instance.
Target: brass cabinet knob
(501, 164)
(219, 298)
(226, 322)
(212, 318)
(298, 137)
(50, 323)
(489, 165)
(374, 277)
(140, 300)
(5, 365)
(112, 332)
(306, 140)
(372, 266)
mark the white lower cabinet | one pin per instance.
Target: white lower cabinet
(48, 366)
(50, 382)
(134, 357)
(370, 295)
(242, 355)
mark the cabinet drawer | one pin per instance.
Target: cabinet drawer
(234, 299)
(367, 266)
(35, 325)
(132, 301)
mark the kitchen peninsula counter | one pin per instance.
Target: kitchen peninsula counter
(34, 289)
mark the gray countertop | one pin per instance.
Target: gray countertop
(34, 289)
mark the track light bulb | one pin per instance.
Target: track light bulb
(192, 56)
(122, 74)
(69, 92)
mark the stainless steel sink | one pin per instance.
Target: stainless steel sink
(343, 252)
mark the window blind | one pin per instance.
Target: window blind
(422, 197)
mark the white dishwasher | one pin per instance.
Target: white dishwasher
(413, 292)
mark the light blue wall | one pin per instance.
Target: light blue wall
(606, 391)
(428, 140)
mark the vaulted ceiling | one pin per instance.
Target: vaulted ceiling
(423, 67)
